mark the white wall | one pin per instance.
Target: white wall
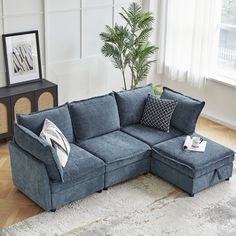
(69, 42)
(73, 54)
(17, 16)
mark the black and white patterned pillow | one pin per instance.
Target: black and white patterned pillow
(157, 112)
(53, 135)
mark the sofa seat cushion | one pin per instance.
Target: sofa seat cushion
(117, 149)
(60, 116)
(193, 164)
(94, 116)
(150, 135)
(81, 166)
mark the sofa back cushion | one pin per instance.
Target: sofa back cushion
(131, 104)
(95, 116)
(186, 112)
(60, 116)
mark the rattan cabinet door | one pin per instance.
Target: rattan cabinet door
(22, 104)
(5, 118)
(46, 98)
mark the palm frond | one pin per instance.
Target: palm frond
(135, 9)
(143, 35)
(146, 20)
(128, 45)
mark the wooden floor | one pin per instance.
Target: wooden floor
(15, 206)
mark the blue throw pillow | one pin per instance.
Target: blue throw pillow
(131, 104)
(94, 116)
(186, 112)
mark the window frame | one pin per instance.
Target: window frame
(224, 74)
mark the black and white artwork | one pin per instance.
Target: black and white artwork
(22, 57)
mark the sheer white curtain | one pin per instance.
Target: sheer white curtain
(188, 38)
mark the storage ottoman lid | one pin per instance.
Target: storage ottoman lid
(193, 164)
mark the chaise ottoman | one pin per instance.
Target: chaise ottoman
(192, 171)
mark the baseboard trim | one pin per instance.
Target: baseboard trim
(226, 124)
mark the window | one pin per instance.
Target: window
(226, 60)
(199, 41)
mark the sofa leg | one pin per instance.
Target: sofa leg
(191, 194)
(227, 179)
(99, 191)
(53, 210)
(105, 188)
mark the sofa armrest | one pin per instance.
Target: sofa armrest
(40, 149)
(30, 176)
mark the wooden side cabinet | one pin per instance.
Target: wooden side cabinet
(24, 99)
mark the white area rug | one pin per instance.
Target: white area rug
(143, 206)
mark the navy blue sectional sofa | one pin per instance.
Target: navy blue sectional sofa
(109, 146)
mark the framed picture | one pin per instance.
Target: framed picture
(22, 57)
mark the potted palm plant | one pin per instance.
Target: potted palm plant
(128, 45)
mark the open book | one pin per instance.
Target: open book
(188, 145)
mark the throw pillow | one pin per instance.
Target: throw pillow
(187, 110)
(52, 134)
(157, 112)
(60, 116)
